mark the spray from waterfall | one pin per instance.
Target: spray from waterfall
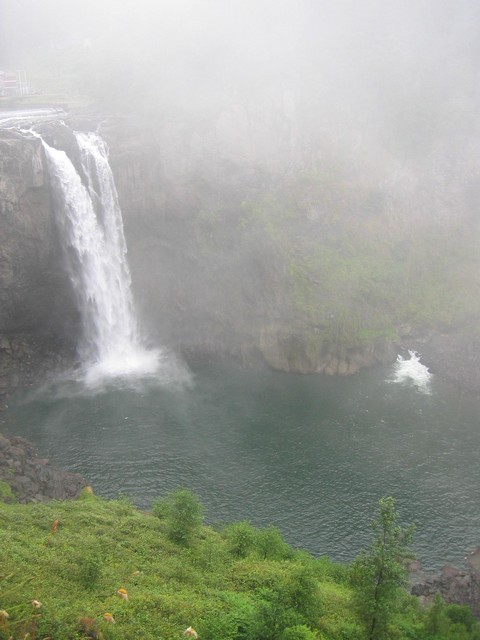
(91, 224)
(412, 371)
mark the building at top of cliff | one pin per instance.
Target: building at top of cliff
(14, 83)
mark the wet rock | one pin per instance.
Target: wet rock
(33, 359)
(34, 292)
(31, 478)
(454, 585)
(37, 314)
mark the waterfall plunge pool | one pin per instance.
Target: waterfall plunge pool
(310, 454)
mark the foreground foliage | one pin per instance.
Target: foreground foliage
(102, 569)
(380, 573)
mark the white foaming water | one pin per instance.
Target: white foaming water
(413, 371)
(92, 228)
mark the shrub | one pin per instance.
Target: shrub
(6, 493)
(240, 538)
(160, 508)
(460, 614)
(183, 516)
(270, 544)
(272, 615)
(299, 632)
(210, 555)
(217, 625)
(303, 595)
(90, 567)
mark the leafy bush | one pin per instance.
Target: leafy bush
(270, 544)
(299, 632)
(160, 508)
(240, 538)
(210, 555)
(379, 575)
(461, 615)
(90, 567)
(302, 595)
(6, 493)
(272, 615)
(183, 515)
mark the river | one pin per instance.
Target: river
(309, 454)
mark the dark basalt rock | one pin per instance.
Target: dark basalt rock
(34, 479)
(455, 586)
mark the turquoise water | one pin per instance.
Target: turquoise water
(310, 454)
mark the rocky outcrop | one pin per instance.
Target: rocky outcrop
(302, 353)
(26, 478)
(455, 586)
(29, 358)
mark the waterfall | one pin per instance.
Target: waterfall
(91, 224)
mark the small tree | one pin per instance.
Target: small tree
(270, 544)
(303, 595)
(299, 632)
(452, 621)
(379, 573)
(240, 537)
(182, 511)
(272, 615)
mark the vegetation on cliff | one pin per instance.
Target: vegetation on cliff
(95, 568)
(357, 263)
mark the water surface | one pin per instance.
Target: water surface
(310, 454)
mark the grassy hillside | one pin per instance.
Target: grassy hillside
(65, 565)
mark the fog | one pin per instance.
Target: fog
(388, 68)
(373, 105)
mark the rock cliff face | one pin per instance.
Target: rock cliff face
(29, 251)
(247, 250)
(209, 276)
(233, 252)
(36, 312)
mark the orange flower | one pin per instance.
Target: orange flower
(122, 593)
(108, 618)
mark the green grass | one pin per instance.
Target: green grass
(74, 556)
(99, 547)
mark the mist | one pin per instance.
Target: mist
(328, 152)
(402, 73)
